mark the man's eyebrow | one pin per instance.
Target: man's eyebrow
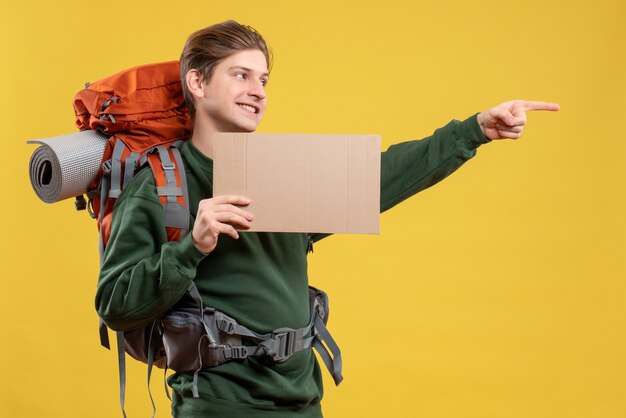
(250, 70)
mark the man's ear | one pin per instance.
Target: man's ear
(195, 83)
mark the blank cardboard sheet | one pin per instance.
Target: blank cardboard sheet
(302, 182)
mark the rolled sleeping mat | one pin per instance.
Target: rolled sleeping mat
(64, 166)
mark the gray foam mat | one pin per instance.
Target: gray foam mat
(63, 166)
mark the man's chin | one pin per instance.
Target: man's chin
(247, 128)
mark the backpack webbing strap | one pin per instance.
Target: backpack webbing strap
(183, 185)
(279, 344)
(116, 169)
(322, 340)
(104, 335)
(129, 167)
(152, 348)
(192, 289)
(121, 361)
(167, 390)
(195, 295)
(171, 188)
(104, 193)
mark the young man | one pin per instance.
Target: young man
(259, 279)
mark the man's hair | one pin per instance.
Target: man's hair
(206, 47)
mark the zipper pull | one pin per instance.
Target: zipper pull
(309, 247)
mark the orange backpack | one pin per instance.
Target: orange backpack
(144, 112)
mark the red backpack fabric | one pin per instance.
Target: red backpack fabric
(143, 110)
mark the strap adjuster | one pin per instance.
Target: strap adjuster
(286, 343)
(106, 167)
(226, 325)
(238, 352)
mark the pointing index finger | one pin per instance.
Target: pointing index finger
(533, 105)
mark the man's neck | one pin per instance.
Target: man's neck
(203, 137)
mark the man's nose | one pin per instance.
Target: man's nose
(257, 90)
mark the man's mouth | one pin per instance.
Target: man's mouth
(248, 107)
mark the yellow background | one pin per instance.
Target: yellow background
(499, 293)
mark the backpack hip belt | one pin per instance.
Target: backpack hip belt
(223, 339)
(188, 339)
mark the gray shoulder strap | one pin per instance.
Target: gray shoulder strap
(183, 185)
(116, 169)
(175, 215)
(130, 164)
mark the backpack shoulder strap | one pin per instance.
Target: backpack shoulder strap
(171, 183)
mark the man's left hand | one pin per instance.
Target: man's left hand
(507, 120)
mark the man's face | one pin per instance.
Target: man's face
(234, 99)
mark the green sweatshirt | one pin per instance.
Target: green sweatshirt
(260, 279)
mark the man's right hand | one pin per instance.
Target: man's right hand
(219, 215)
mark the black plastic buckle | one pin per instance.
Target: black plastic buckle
(286, 339)
(80, 203)
(238, 352)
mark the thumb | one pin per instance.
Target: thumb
(505, 116)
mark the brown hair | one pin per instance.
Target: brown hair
(206, 47)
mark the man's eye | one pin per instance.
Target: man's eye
(241, 75)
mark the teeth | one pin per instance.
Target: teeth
(248, 107)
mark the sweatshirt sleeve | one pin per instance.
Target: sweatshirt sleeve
(142, 274)
(410, 167)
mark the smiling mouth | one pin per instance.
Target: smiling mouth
(248, 108)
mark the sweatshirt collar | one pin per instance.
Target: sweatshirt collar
(205, 163)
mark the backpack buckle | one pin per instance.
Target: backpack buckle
(238, 352)
(226, 325)
(286, 343)
(106, 167)
(80, 203)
